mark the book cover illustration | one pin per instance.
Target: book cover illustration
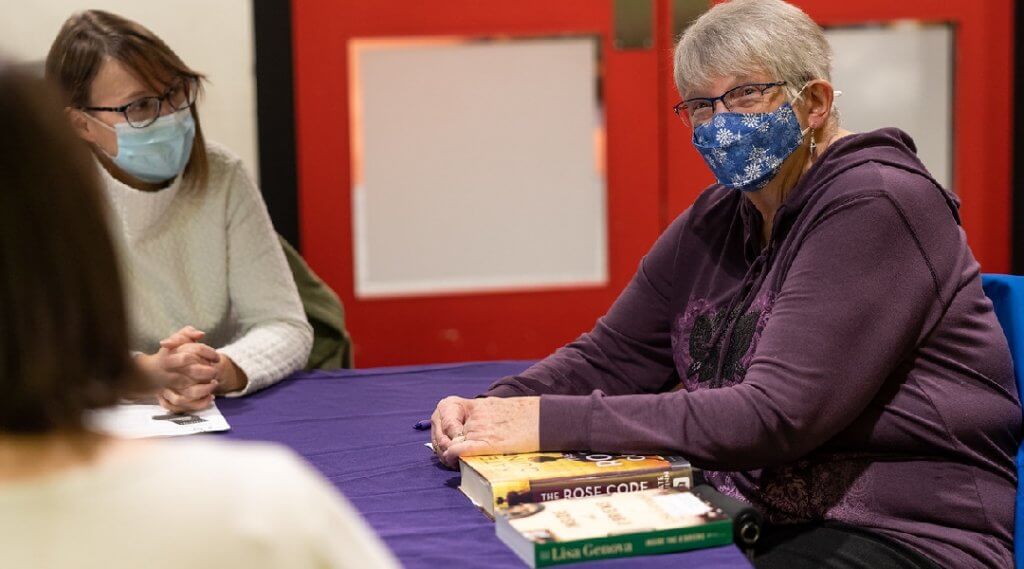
(619, 525)
(499, 481)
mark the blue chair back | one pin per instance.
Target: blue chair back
(1007, 295)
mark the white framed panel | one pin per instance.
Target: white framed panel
(478, 165)
(899, 75)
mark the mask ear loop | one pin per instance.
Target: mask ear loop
(106, 126)
(814, 142)
(836, 93)
(98, 121)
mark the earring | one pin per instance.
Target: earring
(814, 145)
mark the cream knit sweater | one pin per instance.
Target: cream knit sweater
(186, 504)
(208, 257)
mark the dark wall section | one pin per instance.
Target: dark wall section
(1017, 162)
(275, 111)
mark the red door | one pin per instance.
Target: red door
(469, 325)
(652, 171)
(982, 75)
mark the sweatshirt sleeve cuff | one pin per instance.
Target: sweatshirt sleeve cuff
(501, 390)
(565, 422)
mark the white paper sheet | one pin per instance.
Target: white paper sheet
(135, 421)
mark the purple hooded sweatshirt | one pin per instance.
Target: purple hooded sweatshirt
(850, 370)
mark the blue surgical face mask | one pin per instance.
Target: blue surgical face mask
(158, 152)
(745, 151)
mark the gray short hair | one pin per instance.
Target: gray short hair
(751, 36)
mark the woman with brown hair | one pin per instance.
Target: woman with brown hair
(198, 249)
(70, 497)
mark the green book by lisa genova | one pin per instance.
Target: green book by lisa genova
(614, 525)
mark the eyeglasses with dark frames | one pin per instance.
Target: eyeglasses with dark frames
(746, 98)
(144, 111)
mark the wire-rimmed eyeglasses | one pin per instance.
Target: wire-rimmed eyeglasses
(142, 112)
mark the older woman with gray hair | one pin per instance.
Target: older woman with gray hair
(812, 331)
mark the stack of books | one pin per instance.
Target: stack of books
(552, 508)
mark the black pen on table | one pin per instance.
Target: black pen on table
(423, 425)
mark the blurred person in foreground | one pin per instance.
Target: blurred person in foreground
(70, 497)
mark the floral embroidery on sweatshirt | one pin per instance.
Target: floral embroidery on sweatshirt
(806, 490)
(697, 354)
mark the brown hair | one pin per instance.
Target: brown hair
(86, 38)
(63, 331)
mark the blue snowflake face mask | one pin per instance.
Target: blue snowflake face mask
(745, 151)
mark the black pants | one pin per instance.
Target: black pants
(831, 545)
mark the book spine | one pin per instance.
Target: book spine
(665, 541)
(562, 488)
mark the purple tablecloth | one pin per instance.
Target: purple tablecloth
(356, 426)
